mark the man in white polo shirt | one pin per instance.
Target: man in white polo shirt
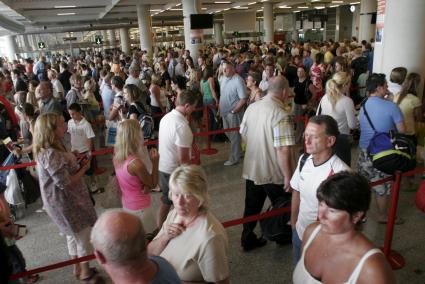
(314, 167)
(175, 141)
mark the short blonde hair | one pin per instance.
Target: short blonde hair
(44, 133)
(128, 141)
(191, 179)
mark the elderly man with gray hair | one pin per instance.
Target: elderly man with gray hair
(119, 245)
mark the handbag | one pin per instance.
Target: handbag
(112, 196)
(13, 193)
(277, 228)
(391, 151)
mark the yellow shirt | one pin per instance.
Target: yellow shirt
(407, 107)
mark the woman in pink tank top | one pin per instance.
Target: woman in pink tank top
(136, 170)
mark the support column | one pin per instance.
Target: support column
(192, 42)
(356, 24)
(218, 33)
(27, 45)
(104, 36)
(125, 40)
(294, 35)
(268, 22)
(11, 47)
(401, 31)
(111, 34)
(366, 29)
(145, 28)
(337, 22)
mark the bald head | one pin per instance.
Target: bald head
(119, 237)
(278, 86)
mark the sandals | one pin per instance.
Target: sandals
(94, 278)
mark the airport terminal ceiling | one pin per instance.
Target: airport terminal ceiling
(56, 16)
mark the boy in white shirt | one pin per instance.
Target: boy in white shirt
(82, 140)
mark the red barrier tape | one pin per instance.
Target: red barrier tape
(52, 266)
(226, 224)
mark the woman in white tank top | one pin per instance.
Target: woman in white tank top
(334, 249)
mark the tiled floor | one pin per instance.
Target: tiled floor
(271, 264)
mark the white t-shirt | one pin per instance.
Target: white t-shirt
(307, 182)
(80, 132)
(58, 88)
(174, 131)
(343, 113)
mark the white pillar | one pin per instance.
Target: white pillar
(218, 33)
(337, 23)
(145, 28)
(104, 35)
(125, 40)
(27, 45)
(355, 23)
(366, 29)
(111, 34)
(294, 35)
(402, 32)
(11, 47)
(191, 42)
(268, 22)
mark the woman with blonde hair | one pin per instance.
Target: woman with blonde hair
(191, 239)
(409, 103)
(89, 89)
(336, 104)
(65, 195)
(158, 99)
(136, 170)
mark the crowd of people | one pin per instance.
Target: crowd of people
(261, 88)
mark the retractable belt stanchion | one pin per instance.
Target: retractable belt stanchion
(208, 151)
(395, 259)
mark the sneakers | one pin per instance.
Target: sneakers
(258, 243)
(230, 163)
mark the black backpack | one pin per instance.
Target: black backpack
(277, 228)
(146, 121)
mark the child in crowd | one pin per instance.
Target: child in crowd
(82, 140)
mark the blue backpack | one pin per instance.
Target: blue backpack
(391, 151)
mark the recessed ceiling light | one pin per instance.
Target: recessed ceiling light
(64, 6)
(204, 9)
(155, 10)
(333, 6)
(178, 4)
(285, 7)
(227, 9)
(315, 0)
(337, 2)
(355, 3)
(241, 8)
(260, 10)
(296, 11)
(222, 2)
(302, 7)
(319, 7)
(252, 3)
(176, 9)
(65, 14)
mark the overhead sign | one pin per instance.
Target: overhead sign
(98, 39)
(69, 38)
(41, 45)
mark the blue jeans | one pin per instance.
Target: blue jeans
(296, 247)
